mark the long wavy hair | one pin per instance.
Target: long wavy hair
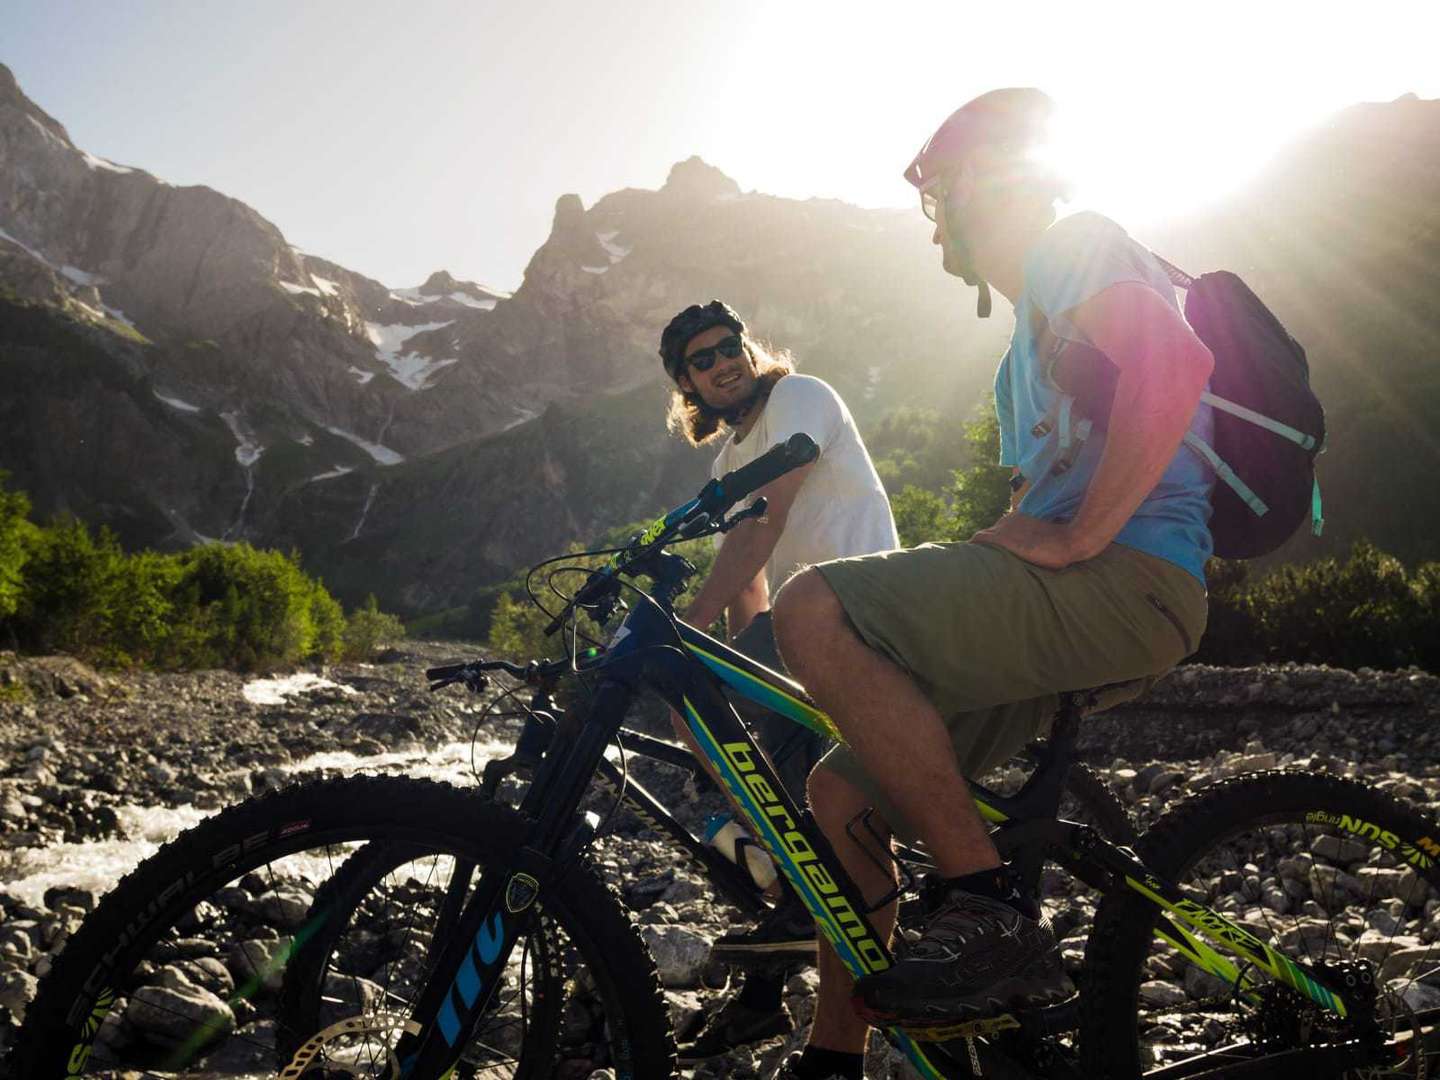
(697, 423)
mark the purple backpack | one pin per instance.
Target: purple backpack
(1269, 425)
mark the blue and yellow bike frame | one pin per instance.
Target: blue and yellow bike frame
(793, 842)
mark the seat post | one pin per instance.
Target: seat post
(1066, 725)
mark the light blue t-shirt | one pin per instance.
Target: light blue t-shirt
(1077, 258)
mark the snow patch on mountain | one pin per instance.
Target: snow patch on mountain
(471, 302)
(50, 136)
(383, 455)
(614, 250)
(416, 298)
(526, 415)
(329, 288)
(415, 370)
(100, 163)
(338, 470)
(23, 246)
(247, 448)
(362, 377)
(80, 277)
(176, 403)
(411, 368)
(291, 287)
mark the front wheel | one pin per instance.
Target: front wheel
(177, 972)
(1336, 876)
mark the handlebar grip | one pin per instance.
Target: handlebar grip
(799, 449)
(444, 671)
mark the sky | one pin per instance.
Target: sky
(401, 139)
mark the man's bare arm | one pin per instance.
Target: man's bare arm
(1163, 370)
(749, 602)
(746, 550)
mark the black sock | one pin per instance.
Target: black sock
(761, 991)
(995, 884)
(818, 1064)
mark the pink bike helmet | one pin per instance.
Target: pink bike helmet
(1016, 115)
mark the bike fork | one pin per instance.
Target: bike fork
(472, 960)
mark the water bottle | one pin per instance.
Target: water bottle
(727, 835)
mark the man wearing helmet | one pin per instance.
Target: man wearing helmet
(941, 662)
(730, 386)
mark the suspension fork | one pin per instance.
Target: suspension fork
(471, 960)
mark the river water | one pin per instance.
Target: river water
(98, 865)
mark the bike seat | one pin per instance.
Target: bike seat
(1097, 699)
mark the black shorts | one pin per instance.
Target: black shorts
(793, 748)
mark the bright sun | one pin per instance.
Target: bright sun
(1157, 166)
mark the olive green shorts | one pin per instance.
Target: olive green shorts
(993, 640)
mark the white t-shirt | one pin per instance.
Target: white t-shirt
(841, 508)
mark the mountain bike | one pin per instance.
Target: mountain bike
(322, 981)
(1191, 969)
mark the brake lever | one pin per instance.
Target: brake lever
(755, 510)
(474, 681)
(698, 527)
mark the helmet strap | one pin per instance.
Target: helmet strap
(961, 250)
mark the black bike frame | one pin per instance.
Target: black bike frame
(686, 667)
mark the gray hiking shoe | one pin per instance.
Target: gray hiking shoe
(976, 957)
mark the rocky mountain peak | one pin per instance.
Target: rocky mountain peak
(12, 96)
(9, 88)
(569, 215)
(440, 282)
(699, 179)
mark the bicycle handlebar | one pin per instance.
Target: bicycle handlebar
(799, 449)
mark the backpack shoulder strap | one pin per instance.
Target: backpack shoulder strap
(1179, 277)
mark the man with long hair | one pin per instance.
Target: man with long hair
(940, 662)
(730, 386)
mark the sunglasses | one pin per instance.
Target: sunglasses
(930, 202)
(704, 359)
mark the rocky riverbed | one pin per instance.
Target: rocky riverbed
(97, 769)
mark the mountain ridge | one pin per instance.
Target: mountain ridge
(421, 441)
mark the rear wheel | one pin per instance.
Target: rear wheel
(1337, 876)
(179, 971)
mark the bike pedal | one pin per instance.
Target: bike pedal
(964, 1029)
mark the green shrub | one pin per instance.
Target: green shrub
(977, 494)
(920, 516)
(1425, 583)
(141, 617)
(328, 618)
(368, 628)
(980, 492)
(64, 589)
(15, 530)
(68, 600)
(1366, 611)
(517, 626)
(248, 608)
